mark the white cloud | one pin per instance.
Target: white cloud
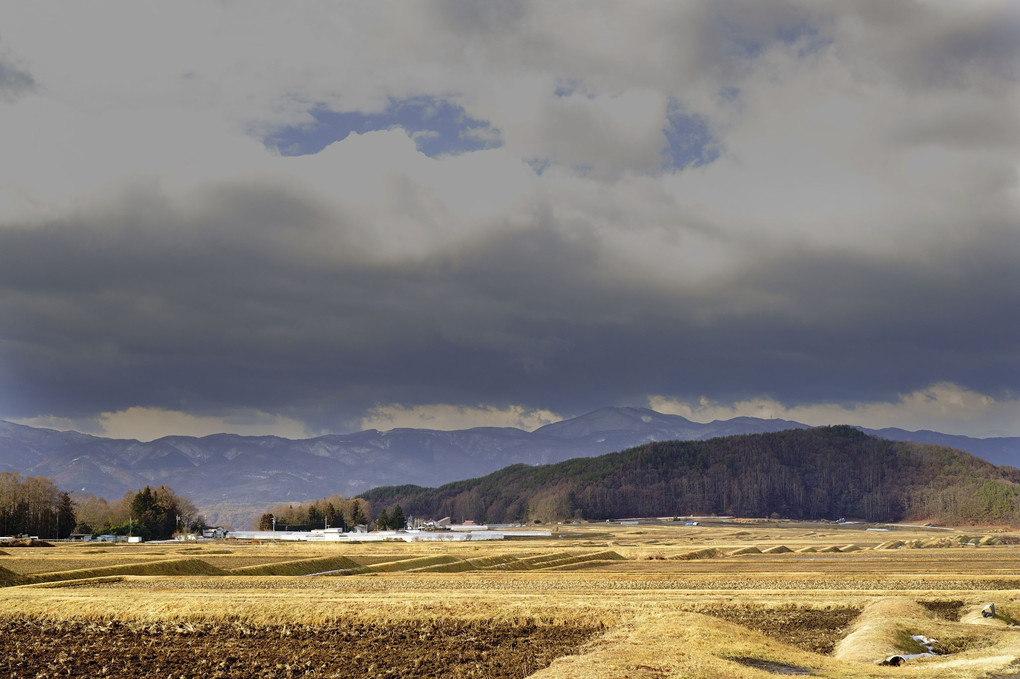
(609, 133)
(54, 422)
(147, 424)
(449, 417)
(818, 147)
(943, 407)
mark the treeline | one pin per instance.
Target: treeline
(334, 511)
(150, 513)
(34, 506)
(829, 472)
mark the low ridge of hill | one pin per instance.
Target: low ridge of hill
(822, 473)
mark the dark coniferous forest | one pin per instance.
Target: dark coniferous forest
(823, 473)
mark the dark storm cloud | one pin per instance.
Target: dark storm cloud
(927, 45)
(252, 297)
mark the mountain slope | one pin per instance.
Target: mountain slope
(247, 473)
(827, 472)
(1002, 450)
(226, 468)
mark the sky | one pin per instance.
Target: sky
(308, 218)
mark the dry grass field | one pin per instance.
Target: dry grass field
(724, 599)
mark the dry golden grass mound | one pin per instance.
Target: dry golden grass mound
(452, 565)
(503, 562)
(891, 544)
(745, 550)
(830, 549)
(436, 563)
(414, 564)
(850, 548)
(778, 549)
(707, 553)
(8, 577)
(572, 560)
(168, 567)
(806, 550)
(883, 629)
(302, 567)
(682, 645)
(989, 540)
(541, 560)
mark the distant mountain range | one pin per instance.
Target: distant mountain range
(228, 475)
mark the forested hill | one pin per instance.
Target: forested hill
(828, 473)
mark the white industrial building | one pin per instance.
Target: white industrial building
(455, 534)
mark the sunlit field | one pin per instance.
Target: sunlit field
(660, 599)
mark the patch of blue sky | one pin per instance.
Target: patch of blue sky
(437, 126)
(689, 139)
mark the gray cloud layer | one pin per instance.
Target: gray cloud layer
(226, 304)
(856, 239)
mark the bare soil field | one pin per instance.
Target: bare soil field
(724, 599)
(34, 648)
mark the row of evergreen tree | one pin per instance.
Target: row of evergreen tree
(334, 511)
(150, 513)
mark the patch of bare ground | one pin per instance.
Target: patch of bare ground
(417, 649)
(771, 666)
(811, 629)
(947, 610)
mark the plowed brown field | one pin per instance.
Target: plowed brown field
(41, 649)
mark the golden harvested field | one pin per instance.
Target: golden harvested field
(725, 599)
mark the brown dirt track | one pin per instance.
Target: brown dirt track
(41, 649)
